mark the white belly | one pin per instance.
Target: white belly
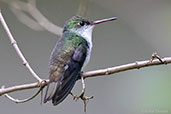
(88, 54)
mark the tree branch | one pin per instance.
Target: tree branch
(23, 100)
(130, 66)
(22, 87)
(14, 44)
(96, 73)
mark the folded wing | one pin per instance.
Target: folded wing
(58, 91)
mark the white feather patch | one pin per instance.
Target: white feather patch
(86, 33)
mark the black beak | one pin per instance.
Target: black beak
(103, 20)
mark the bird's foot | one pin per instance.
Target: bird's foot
(81, 96)
(84, 98)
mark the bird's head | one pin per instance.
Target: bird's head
(83, 26)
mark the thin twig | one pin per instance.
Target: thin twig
(14, 44)
(96, 73)
(23, 100)
(36, 20)
(23, 87)
(83, 8)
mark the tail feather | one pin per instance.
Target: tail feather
(57, 93)
(50, 91)
(63, 91)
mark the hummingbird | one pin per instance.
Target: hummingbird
(70, 54)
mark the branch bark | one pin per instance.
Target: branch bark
(96, 73)
(17, 49)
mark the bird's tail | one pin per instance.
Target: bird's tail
(58, 91)
(64, 89)
(50, 91)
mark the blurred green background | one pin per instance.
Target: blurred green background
(143, 27)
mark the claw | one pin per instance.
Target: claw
(81, 96)
(84, 98)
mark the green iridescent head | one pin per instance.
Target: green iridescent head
(76, 22)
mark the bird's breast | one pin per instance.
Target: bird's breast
(90, 45)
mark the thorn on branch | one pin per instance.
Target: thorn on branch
(156, 56)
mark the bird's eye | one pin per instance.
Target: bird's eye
(81, 23)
